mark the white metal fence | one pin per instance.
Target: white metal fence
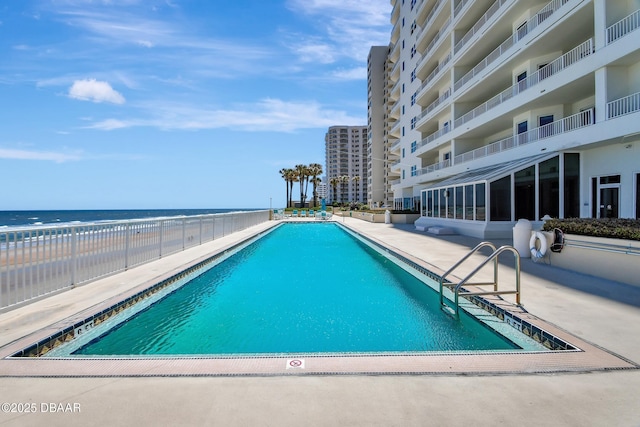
(35, 261)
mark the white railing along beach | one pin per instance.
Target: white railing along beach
(39, 260)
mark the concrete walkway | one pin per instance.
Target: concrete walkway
(601, 312)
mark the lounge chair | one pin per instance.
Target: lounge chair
(295, 213)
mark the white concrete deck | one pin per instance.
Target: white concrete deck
(600, 312)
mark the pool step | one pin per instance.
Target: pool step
(450, 311)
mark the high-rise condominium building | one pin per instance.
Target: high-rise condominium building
(509, 109)
(346, 164)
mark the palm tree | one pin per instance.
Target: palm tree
(334, 185)
(303, 177)
(343, 180)
(284, 173)
(293, 177)
(314, 170)
(356, 179)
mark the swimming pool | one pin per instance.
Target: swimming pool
(302, 288)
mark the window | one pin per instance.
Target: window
(549, 181)
(481, 204)
(468, 202)
(522, 81)
(414, 170)
(436, 203)
(459, 202)
(443, 203)
(413, 122)
(525, 192)
(572, 185)
(546, 128)
(522, 128)
(500, 199)
(450, 201)
(414, 146)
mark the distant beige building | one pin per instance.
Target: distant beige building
(346, 158)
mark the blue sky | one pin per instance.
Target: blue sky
(124, 104)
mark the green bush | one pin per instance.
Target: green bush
(616, 228)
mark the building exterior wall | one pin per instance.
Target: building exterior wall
(346, 159)
(478, 83)
(376, 122)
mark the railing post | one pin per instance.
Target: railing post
(127, 244)
(74, 255)
(184, 232)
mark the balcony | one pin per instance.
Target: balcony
(523, 31)
(427, 81)
(437, 134)
(434, 167)
(568, 124)
(427, 52)
(433, 106)
(479, 24)
(566, 60)
(623, 27)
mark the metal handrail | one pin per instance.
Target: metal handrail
(457, 264)
(493, 257)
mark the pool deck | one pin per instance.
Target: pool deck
(597, 313)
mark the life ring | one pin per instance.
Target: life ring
(538, 253)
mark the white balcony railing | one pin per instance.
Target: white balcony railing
(532, 23)
(568, 124)
(459, 7)
(620, 107)
(623, 27)
(434, 105)
(434, 41)
(434, 167)
(427, 81)
(479, 24)
(574, 55)
(35, 261)
(437, 134)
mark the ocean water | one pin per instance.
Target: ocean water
(54, 217)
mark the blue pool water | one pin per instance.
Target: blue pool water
(303, 288)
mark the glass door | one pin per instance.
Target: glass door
(609, 202)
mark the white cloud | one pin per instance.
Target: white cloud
(358, 73)
(315, 52)
(37, 155)
(96, 91)
(350, 27)
(273, 115)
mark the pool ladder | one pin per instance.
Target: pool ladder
(456, 287)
